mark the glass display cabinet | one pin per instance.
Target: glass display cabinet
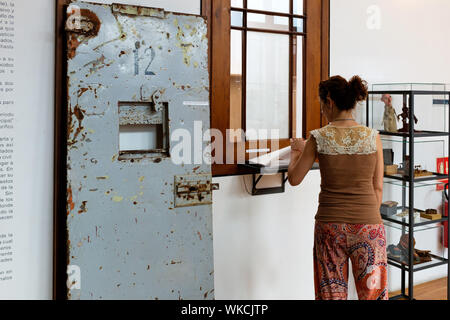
(413, 121)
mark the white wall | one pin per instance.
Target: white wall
(263, 244)
(410, 46)
(32, 221)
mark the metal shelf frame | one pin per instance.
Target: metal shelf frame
(408, 185)
(416, 224)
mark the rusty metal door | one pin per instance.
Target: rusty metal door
(139, 225)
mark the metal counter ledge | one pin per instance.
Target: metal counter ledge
(258, 169)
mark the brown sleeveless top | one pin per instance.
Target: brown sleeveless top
(347, 159)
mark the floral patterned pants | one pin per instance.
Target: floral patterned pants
(365, 246)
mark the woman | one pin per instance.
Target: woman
(348, 222)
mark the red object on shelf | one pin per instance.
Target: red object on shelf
(445, 215)
(446, 226)
(441, 167)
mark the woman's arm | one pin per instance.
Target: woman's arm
(379, 172)
(302, 159)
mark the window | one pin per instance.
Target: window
(266, 66)
(267, 60)
(143, 130)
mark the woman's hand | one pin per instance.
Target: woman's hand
(298, 145)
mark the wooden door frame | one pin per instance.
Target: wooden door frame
(316, 69)
(60, 239)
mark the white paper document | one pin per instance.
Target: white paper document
(279, 158)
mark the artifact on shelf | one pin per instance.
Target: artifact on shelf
(405, 213)
(389, 167)
(404, 167)
(403, 245)
(401, 251)
(389, 116)
(418, 171)
(390, 170)
(388, 156)
(431, 214)
(405, 119)
(394, 252)
(388, 208)
(424, 255)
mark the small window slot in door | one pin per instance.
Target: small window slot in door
(143, 130)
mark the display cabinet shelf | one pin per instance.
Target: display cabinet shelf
(397, 140)
(420, 224)
(434, 177)
(419, 112)
(435, 262)
(419, 134)
(411, 92)
(416, 185)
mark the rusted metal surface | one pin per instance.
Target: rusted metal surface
(127, 235)
(193, 190)
(138, 113)
(138, 11)
(82, 25)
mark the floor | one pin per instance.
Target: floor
(433, 290)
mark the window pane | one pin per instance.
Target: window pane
(236, 19)
(268, 82)
(236, 80)
(298, 85)
(237, 3)
(298, 25)
(269, 5)
(262, 21)
(298, 6)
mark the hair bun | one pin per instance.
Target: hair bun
(345, 94)
(358, 88)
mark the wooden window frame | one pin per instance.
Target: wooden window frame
(316, 68)
(245, 29)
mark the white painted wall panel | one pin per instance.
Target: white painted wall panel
(32, 224)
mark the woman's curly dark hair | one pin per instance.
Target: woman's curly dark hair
(345, 94)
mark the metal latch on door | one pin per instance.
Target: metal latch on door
(194, 190)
